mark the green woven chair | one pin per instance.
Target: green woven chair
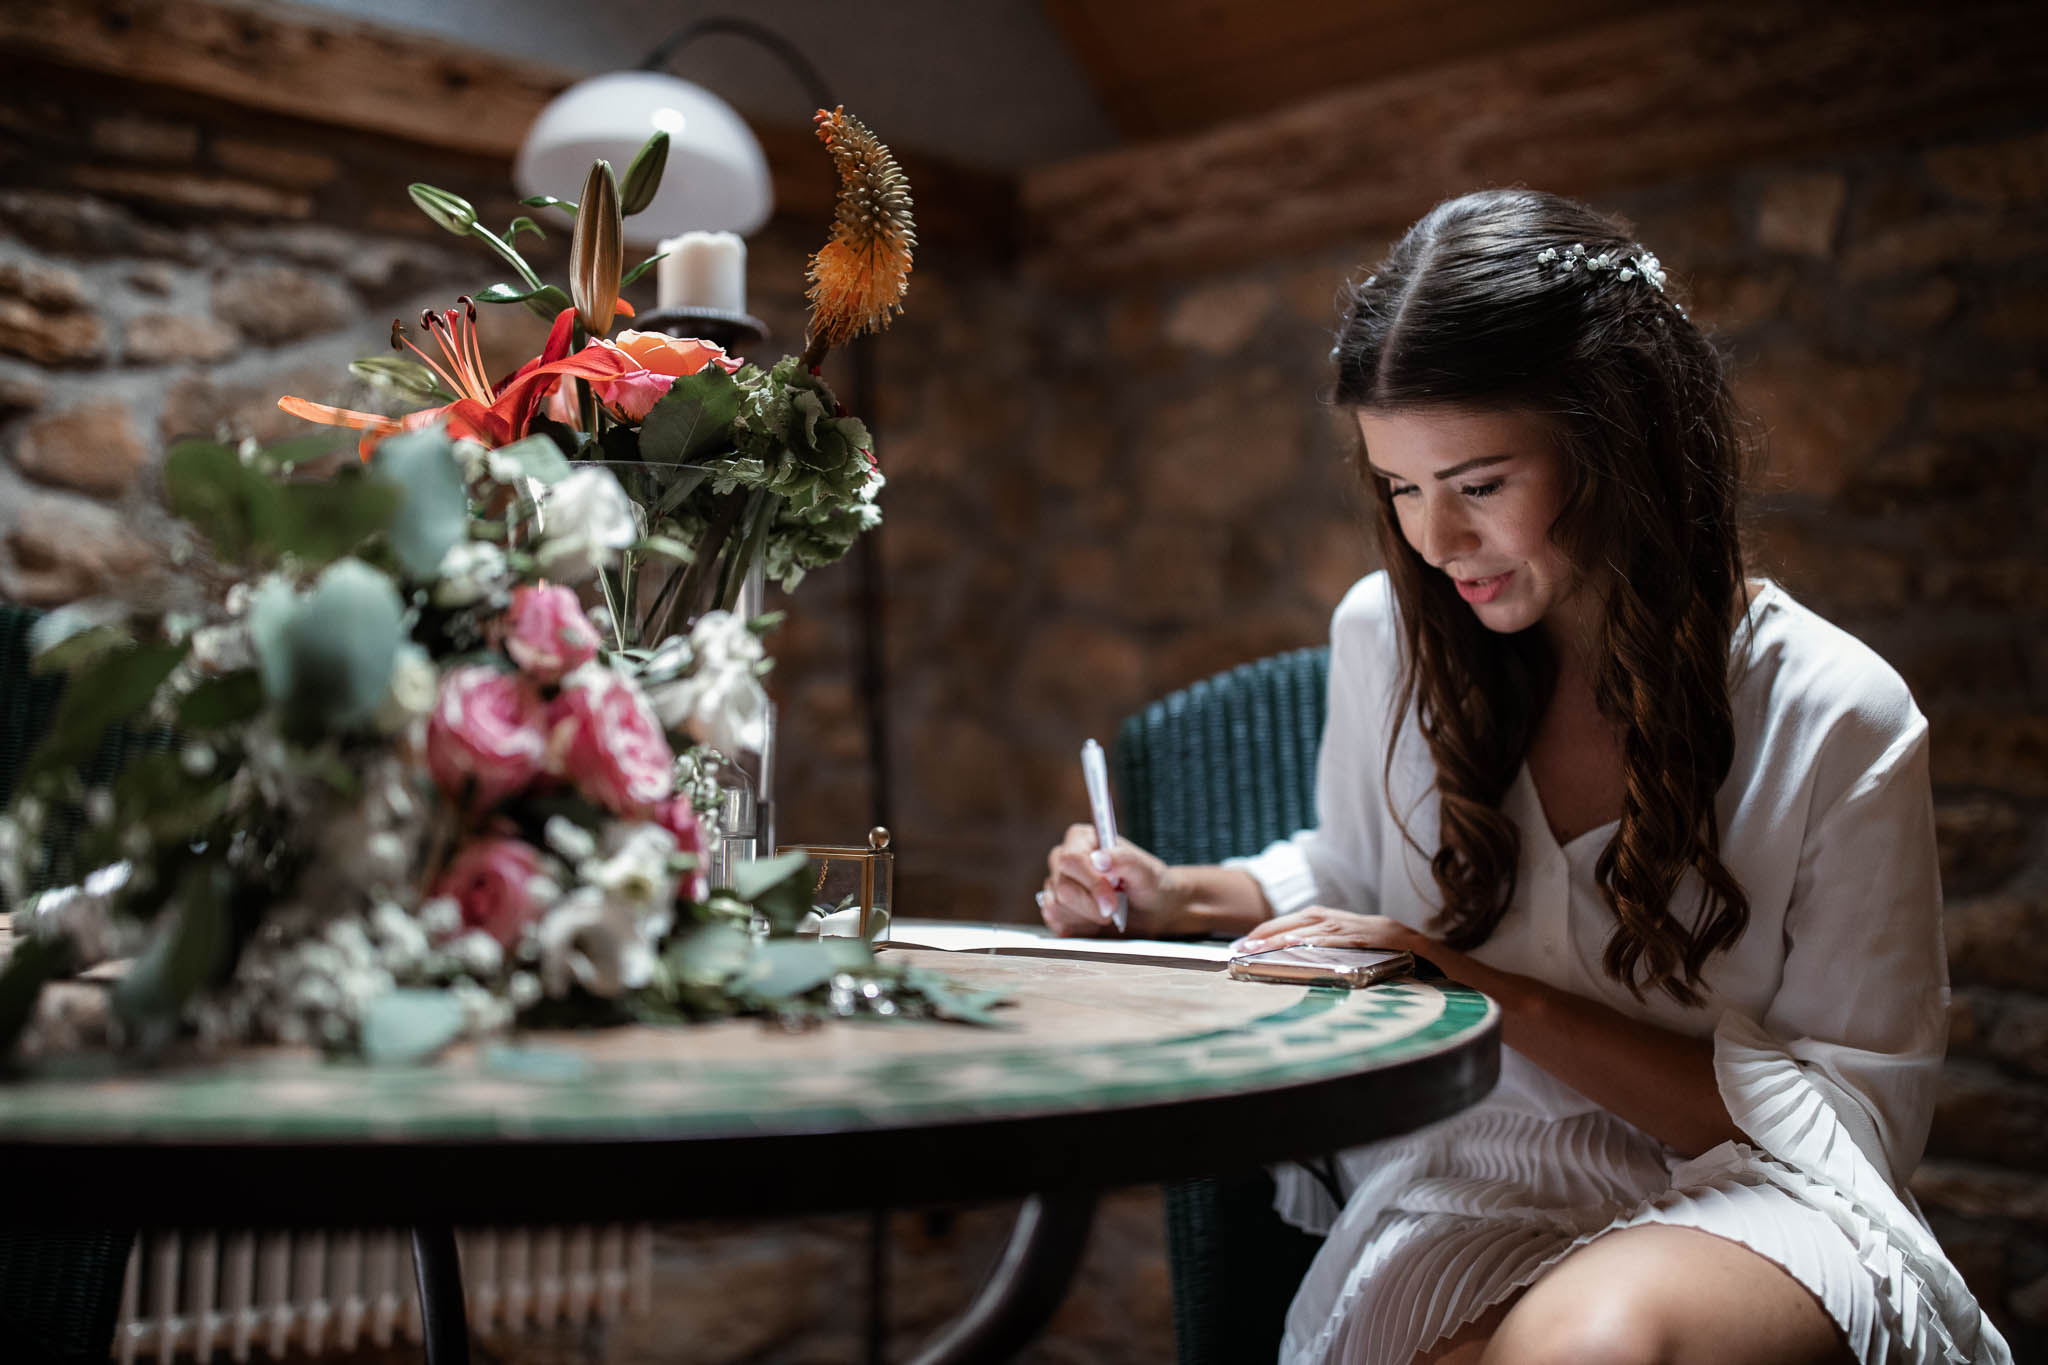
(59, 1291)
(1217, 770)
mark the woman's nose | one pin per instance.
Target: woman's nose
(1446, 534)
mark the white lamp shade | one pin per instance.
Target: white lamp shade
(717, 178)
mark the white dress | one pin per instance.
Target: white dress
(1829, 1018)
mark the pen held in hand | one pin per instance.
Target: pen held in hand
(1095, 772)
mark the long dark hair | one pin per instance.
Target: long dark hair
(1467, 313)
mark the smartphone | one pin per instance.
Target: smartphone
(1306, 964)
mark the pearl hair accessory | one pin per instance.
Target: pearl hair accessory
(1626, 267)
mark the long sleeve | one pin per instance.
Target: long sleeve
(1336, 863)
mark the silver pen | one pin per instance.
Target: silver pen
(1095, 772)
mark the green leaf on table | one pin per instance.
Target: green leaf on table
(191, 952)
(786, 967)
(228, 699)
(778, 888)
(708, 955)
(403, 1027)
(641, 269)
(694, 418)
(116, 688)
(957, 1003)
(538, 457)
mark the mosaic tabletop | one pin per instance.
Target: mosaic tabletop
(1078, 1036)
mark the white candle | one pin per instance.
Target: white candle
(704, 270)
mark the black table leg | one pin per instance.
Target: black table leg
(444, 1318)
(1026, 1286)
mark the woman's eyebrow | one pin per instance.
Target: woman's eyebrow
(1463, 467)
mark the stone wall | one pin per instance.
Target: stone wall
(1099, 496)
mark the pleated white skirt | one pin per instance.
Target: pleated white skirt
(1447, 1221)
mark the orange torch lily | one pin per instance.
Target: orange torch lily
(496, 416)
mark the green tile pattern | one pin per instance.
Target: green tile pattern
(548, 1088)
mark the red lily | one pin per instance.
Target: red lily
(495, 416)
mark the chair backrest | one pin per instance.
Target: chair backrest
(1227, 765)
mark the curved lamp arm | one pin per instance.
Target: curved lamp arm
(792, 57)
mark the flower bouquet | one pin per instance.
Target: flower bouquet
(411, 779)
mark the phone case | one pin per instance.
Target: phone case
(1305, 964)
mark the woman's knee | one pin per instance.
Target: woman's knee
(1582, 1328)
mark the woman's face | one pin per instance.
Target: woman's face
(1476, 494)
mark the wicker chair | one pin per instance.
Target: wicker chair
(1220, 769)
(59, 1291)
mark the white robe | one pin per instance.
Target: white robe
(1829, 1017)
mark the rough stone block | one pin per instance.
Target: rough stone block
(170, 338)
(185, 190)
(81, 225)
(140, 138)
(1832, 579)
(93, 448)
(1999, 941)
(2009, 171)
(274, 162)
(1997, 750)
(1226, 448)
(1212, 647)
(2015, 406)
(152, 278)
(1961, 238)
(49, 338)
(1824, 417)
(1173, 571)
(1919, 308)
(1726, 299)
(21, 393)
(1802, 213)
(200, 405)
(1982, 1116)
(1983, 844)
(1218, 319)
(65, 549)
(1077, 449)
(51, 287)
(1071, 668)
(274, 303)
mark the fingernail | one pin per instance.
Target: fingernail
(1248, 945)
(1107, 906)
(1100, 860)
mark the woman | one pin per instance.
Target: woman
(1675, 824)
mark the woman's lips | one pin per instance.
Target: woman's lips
(1479, 591)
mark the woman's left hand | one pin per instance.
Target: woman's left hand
(1334, 929)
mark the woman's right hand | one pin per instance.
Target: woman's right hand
(1082, 882)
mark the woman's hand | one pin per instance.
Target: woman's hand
(1336, 929)
(1082, 882)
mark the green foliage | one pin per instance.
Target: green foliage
(115, 688)
(217, 702)
(326, 656)
(252, 519)
(449, 211)
(538, 457)
(643, 176)
(694, 418)
(431, 515)
(778, 888)
(193, 949)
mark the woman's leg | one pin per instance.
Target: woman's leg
(1468, 1343)
(1658, 1295)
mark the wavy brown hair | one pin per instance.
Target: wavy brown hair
(1462, 315)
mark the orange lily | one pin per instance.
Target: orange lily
(497, 415)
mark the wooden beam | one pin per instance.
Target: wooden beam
(1669, 94)
(324, 68)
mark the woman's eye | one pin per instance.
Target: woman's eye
(1400, 490)
(1483, 490)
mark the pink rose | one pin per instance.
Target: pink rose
(546, 632)
(487, 735)
(603, 737)
(660, 360)
(492, 880)
(676, 816)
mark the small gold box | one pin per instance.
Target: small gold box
(852, 877)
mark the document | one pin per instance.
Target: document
(955, 936)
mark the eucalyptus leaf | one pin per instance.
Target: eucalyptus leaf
(190, 952)
(319, 445)
(433, 512)
(403, 1027)
(709, 955)
(756, 877)
(693, 418)
(538, 457)
(156, 793)
(232, 505)
(321, 520)
(779, 889)
(326, 657)
(115, 688)
(785, 967)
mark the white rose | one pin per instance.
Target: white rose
(591, 941)
(585, 521)
(415, 683)
(468, 573)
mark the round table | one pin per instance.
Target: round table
(1106, 1073)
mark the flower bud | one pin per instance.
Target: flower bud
(643, 177)
(450, 211)
(597, 251)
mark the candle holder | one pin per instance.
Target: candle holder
(722, 327)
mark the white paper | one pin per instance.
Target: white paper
(954, 936)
